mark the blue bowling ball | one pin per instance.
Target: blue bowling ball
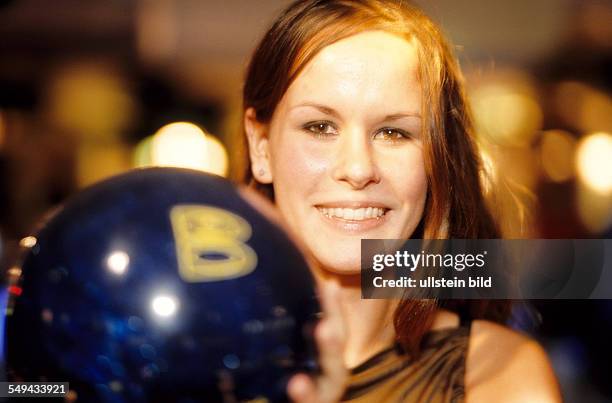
(161, 285)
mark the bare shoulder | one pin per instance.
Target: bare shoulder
(506, 366)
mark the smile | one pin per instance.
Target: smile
(353, 214)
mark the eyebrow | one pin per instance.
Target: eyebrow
(330, 111)
(322, 108)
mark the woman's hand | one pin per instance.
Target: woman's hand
(330, 335)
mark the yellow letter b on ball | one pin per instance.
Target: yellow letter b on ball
(210, 243)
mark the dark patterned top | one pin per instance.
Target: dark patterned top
(436, 376)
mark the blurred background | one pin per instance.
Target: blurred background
(92, 89)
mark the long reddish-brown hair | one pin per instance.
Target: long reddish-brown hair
(455, 205)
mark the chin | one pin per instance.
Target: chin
(344, 271)
(345, 264)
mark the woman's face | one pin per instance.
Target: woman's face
(343, 148)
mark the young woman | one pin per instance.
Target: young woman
(357, 127)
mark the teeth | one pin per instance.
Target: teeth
(353, 214)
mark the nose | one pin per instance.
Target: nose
(355, 161)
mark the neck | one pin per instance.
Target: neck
(369, 322)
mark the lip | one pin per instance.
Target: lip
(353, 204)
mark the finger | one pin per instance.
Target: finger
(331, 383)
(329, 296)
(330, 334)
(301, 389)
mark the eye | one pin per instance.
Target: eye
(392, 134)
(320, 129)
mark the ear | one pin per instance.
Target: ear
(259, 147)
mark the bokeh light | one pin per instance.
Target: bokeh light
(506, 111)
(91, 100)
(583, 107)
(594, 162)
(117, 262)
(28, 242)
(557, 149)
(217, 157)
(142, 153)
(594, 209)
(164, 305)
(185, 145)
(180, 144)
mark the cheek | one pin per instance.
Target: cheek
(417, 186)
(295, 162)
(407, 174)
